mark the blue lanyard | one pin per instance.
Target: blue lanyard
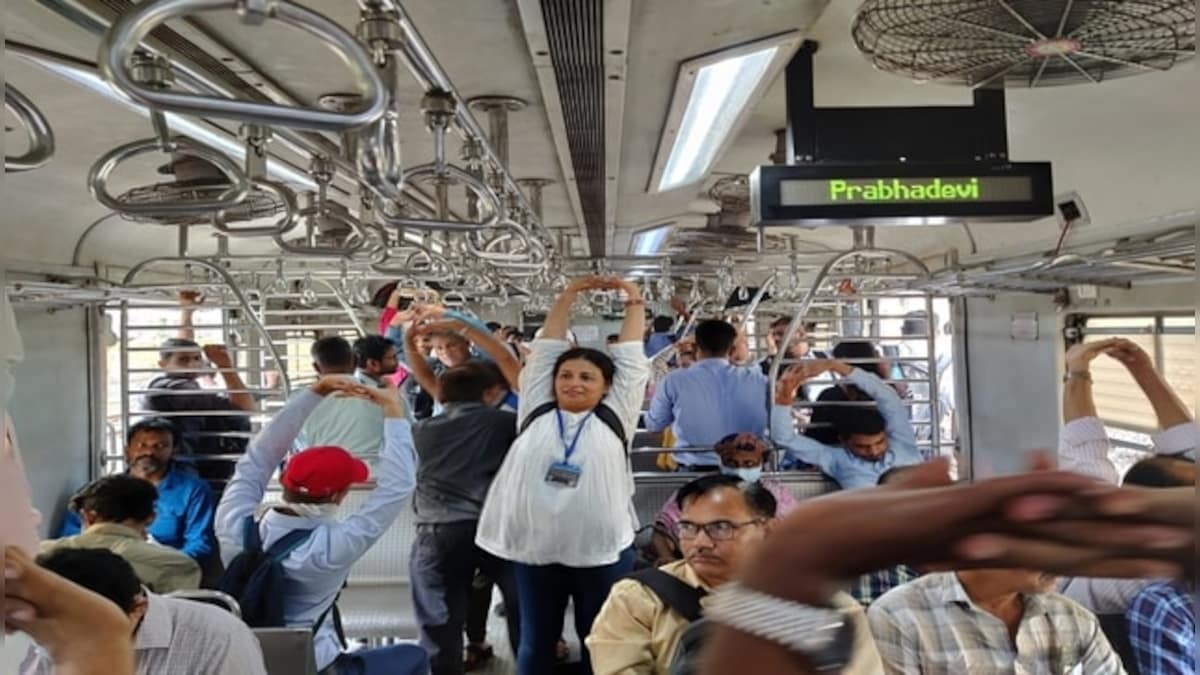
(562, 433)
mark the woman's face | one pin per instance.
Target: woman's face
(579, 385)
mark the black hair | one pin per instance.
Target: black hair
(784, 321)
(662, 324)
(493, 326)
(852, 421)
(1160, 472)
(465, 383)
(381, 297)
(333, 353)
(860, 349)
(612, 338)
(593, 356)
(758, 498)
(493, 372)
(893, 473)
(915, 323)
(158, 425)
(170, 346)
(117, 498)
(371, 348)
(715, 337)
(98, 570)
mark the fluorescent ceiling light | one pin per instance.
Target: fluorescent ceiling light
(184, 126)
(713, 96)
(651, 241)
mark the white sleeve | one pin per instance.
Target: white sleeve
(628, 389)
(1083, 448)
(1181, 439)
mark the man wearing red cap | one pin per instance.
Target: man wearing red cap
(314, 482)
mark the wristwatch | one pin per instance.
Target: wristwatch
(824, 636)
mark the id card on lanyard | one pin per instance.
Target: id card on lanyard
(564, 473)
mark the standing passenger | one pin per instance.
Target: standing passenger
(345, 421)
(710, 400)
(562, 509)
(315, 482)
(458, 454)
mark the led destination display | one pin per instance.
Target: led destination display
(900, 194)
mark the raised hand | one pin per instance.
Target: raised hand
(1079, 357)
(1130, 354)
(218, 355)
(188, 298)
(331, 384)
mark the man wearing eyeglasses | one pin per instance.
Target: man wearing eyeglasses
(640, 626)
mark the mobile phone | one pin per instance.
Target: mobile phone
(18, 519)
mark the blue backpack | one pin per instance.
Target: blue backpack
(255, 578)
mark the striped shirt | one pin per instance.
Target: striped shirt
(182, 636)
(930, 626)
(1162, 629)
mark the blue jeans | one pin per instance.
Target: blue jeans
(544, 591)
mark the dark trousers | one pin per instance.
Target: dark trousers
(543, 594)
(479, 605)
(442, 567)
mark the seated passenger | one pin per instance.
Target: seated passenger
(710, 400)
(458, 454)
(871, 441)
(1084, 448)
(116, 510)
(178, 393)
(823, 416)
(638, 631)
(170, 635)
(345, 421)
(874, 585)
(1162, 629)
(314, 482)
(988, 621)
(184, 511)
(742, 455)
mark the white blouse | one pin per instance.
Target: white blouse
(527, 520)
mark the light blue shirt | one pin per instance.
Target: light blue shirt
(707, 402)
(316, 570)
(848, 469)
(347, 422)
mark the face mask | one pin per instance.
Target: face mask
(748, 474)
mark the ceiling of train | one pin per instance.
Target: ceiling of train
(1127, 146)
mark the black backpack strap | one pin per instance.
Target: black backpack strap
(606, 415)
(674, 592)
(612, 421)
(537, 412)
(287, 543)
(338, 629)
(251, 539)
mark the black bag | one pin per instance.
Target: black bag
(684, 600)
(255, 578)
(603, 412)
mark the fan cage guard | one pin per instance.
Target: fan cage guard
(258, 204)
(1026, 43)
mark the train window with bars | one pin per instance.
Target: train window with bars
(1170, 340)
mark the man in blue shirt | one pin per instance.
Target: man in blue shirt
(710, 400)
(1162, 629)
(872, 440)
(185, 507)
(661, 335)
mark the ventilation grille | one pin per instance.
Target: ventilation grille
(1026, 43)
(575, 35)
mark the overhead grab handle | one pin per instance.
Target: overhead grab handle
(278, 194)
(127, 32)
(439, 108)
(320, 213)
(41, 136)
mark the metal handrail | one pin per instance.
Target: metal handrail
(127, 32)
(238, 295)
(41, 136)
(280, 227)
